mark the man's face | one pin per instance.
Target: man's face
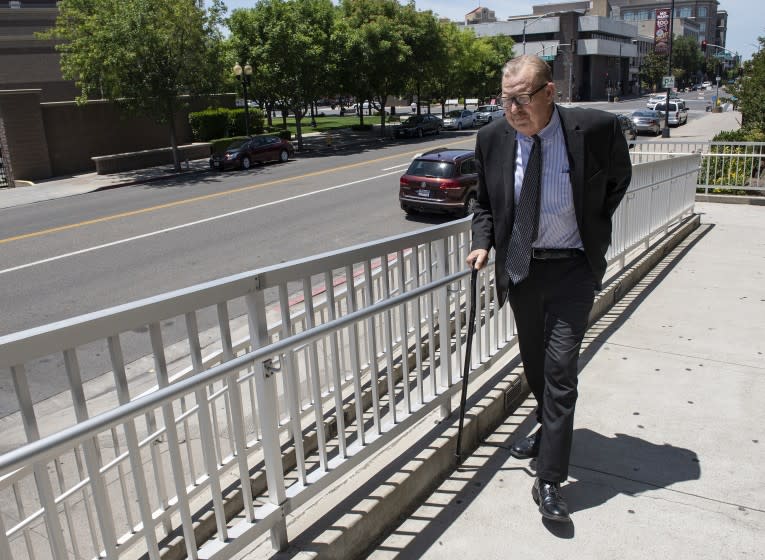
(527, 119)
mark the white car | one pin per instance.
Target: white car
(655, 100)
(486, 113)
(459, 119)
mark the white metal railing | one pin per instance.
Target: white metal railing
(725, 166)
(333, 357)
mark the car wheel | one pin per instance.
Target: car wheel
(459, 126)
(284, 156)
(470, 205)
(245, 162)
(419, 133)
(438, 130)
(489, 120)
(409, 210)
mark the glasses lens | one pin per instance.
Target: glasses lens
(523, 99)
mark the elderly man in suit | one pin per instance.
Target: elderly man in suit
(550, 178)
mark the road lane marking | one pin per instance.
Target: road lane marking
(395, 167)
(190, 224)
(210, 196)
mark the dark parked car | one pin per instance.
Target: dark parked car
(419, 126)
(628, 129)
(648, 121)
(443, 180)
(242, 154)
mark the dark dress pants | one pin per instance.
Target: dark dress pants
(551, 308)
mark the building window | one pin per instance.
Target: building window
(629, 16)
(685, 12)
(644, 15)
(702, 11)
(702, 28)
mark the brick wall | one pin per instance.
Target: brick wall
(25, 134)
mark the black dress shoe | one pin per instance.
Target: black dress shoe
(528, 447)
(547, 497)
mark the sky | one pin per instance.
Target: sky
(745, 23)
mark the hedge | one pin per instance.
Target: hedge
(222, 122)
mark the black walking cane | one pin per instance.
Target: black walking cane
(466, 369)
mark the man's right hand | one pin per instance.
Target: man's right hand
(477, 258)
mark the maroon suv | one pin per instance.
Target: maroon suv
(441, 180)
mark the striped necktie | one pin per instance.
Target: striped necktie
(526, 219)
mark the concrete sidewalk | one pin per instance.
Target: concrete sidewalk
(314, 143)
(669, 438)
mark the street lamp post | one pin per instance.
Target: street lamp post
(533, 21)
(244, 75)
(665, 132)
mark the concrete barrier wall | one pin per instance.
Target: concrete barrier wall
(149, 158)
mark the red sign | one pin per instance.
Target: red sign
(661, 36)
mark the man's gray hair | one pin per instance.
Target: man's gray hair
(541, 68)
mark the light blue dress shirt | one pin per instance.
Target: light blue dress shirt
(557, 218)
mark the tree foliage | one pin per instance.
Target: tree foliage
(687, 60)
(288, 44)
(143, 54)
(750, 90)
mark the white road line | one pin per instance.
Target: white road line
(395, 167)
(190, 224)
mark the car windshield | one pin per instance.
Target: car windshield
(454, 114)
(662, 106)
(485, 108)
(430, 168)
(416, 119)
(237, 144)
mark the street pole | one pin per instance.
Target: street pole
(524, 36)
(665, 132)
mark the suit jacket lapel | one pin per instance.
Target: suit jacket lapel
(508, 172)
(574, 136)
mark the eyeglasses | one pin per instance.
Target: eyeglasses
(522, 99)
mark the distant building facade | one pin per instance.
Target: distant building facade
(480, 15)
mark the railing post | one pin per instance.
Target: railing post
(444, 341)
(265, 388)
(42, 480)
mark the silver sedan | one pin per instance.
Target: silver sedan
(648, 121)
(459, 119)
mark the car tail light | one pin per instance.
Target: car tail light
(450, 185)
(403, 182)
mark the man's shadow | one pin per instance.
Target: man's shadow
(637, 465)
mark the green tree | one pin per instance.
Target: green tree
(142, 54)
(687, 60)
(750, 90)
(287, 42)
(653, 68)
(377, 41)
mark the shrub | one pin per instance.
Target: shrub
(362, 127)
(222, 122)
(219, 145)
(731, 166)
(210, 123)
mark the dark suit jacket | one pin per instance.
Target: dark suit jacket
(600, 171)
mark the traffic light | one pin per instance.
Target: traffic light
(704, 45)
